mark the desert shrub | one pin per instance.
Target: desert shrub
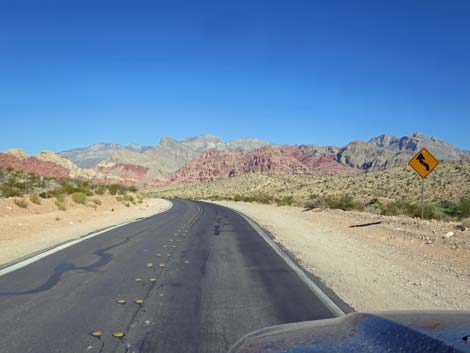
(238, 198)
(79, 197)
(315, 201)
(132, 189)
(285, 201)
(10, 191)
(262, 198)
(96, 201)
(345, 203)
(61, 205)
(402, 207)
(448, 208)
(70, 189)
(127, 204)
(431, 211)
(47, 194)
(375, 205)
(34, 198)
(100, 190)
(128, 197)
(117, 189)
(21, 203)
(464, 207)
(60, 197)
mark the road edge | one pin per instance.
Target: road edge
(38, 255)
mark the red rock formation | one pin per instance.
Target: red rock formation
(285, 160)
(129, 173)
(33, 165)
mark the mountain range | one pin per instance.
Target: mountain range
(207, 157)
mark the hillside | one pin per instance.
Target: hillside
(87, 157)
(379, 153)
(207, 158)
(450, 181)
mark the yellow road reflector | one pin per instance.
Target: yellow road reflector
(139, 301)
(165, 246)
(149, 264)
(97, 333)
(162, 264)
(119, 334)
(138, 279)
(152, 279)
(121, 301)
(169, 255)
(174, 246)
(158, 254)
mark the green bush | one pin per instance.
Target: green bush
(402, 207)
(79, 197)
(127, 197)
(448, 208)
(117, 189)
(315, 201)
(100, 190)
(10, 191)
(97, 201)
(47, 194)
(375, 205)
(285, 201)
(345, 203)
(35, 199)
(464, 207)
(21, 203)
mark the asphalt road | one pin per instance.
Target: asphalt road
(215, 278)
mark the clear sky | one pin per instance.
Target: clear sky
(73, 73)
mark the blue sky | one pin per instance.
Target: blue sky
(73, 73)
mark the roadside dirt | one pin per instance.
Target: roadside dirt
(399, 263)
(24, 231)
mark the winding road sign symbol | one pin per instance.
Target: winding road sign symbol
(421, 159)
(423, 162)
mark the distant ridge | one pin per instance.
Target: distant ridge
(207, 157)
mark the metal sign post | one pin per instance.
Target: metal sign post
(422, 198)
(423, 163)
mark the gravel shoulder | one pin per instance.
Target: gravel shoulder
(37, 227)
(397, 264)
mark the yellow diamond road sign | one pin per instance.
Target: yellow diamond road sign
(423, 162)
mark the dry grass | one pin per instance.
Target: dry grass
(21, 203)
(450, 181)
(61, 205)
(34, 198)
(96, 201)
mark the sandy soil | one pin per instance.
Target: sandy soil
(388, 266)
(24, 231)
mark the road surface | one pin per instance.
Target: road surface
(205, 277)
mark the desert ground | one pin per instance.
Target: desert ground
(399, 263)
(24, 231)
